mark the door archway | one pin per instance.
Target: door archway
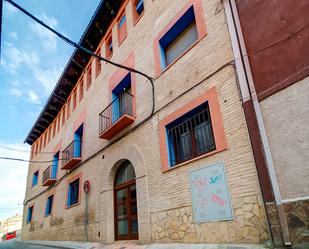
(125, 203)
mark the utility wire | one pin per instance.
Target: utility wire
(78, 46)
(30, 161)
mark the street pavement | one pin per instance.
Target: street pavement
(14, 244)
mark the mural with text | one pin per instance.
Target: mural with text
(210, 194)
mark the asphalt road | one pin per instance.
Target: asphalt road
(13, 244)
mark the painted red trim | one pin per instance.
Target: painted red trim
(119, 75)
(201, 30)
(73, 178)
(216, 121)
(258, 152)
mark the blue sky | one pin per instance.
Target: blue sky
(32, 60)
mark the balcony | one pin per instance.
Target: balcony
(116, 116)
(49, 176)
(71, 156)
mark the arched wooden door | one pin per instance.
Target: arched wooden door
(126, 223)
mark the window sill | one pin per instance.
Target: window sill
(73, 205)
(193, 159)
(179, 56)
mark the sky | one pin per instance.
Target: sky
(32, 60)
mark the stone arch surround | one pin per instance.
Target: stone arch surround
(112, 160)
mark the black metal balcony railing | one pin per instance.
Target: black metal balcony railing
(115, 110)
(49, 174)
(72, 151)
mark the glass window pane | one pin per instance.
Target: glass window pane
(121, 195)
(122, 211)
(134, 226)
(125, 173)
(182, 43)
(122, 227)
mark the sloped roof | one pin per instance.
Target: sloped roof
(97, 27)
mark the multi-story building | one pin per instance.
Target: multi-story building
(11, 224)
(273, 42)
(166, 160)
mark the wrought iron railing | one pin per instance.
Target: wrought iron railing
(49, 173)
(190, 138)
(115, 110)
(72, 151)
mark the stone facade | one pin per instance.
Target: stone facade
(163, 198)
(177, 225)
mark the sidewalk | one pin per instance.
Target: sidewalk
(134, 245)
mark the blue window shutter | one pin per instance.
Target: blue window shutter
(55, 166)
(69, 196)
(78, 141)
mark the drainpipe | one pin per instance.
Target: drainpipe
(247, 89)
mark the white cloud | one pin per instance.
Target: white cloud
(9, 10)
(48, 39)
(13, 179)
(15, 92)
(15, 58)
(13, 35)
(33, 97)
(48, 78)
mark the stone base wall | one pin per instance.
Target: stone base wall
(54, 228)
(298, 221)
(177, 225)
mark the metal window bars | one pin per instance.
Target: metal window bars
(190, 138)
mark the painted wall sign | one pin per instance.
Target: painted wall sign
(210, 194)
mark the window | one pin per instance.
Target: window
(78, 135)
(49, 134)
(73, 193)
(29, 214)
(122, 99)
(98, 64)
(55, 165)
(74, 100)
(195, 130)
(81, 89)
(122, 28)
(178, 39)
(54, 129)
(138, 9)
(35, 178)
(109, 46)
(58, 123)
(69, 107)
(49, 205)
(89, 77)
(63, 116)
(185, 30)
(190, 135)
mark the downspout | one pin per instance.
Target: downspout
(247, 89)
